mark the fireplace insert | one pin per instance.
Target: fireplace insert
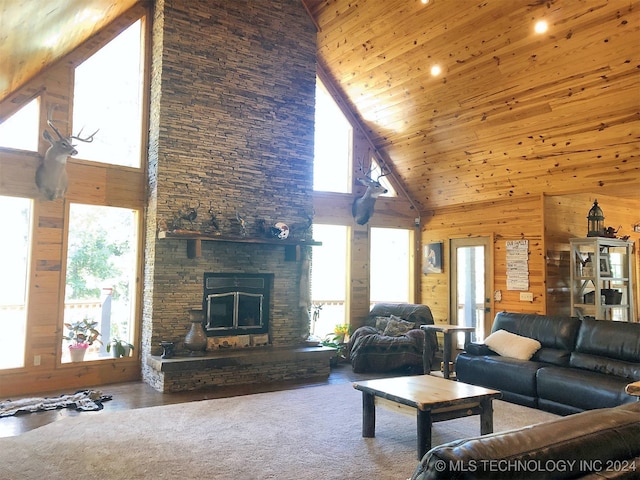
(236, 303)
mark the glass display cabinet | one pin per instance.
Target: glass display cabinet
(601, 278)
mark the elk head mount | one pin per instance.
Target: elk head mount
(51, 176)
(362, 208)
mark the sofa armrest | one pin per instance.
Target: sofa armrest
(478, 349)
(633, 389)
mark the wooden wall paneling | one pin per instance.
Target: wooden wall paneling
(18, 173)
(359, 267)
(508, 220)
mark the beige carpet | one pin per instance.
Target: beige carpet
(306, 433)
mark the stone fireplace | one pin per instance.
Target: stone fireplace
(230, 139)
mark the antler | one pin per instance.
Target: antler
(51, 124)
(89, 139)
(50, 121)
(382, 174)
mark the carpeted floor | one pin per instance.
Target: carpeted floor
(306, 433)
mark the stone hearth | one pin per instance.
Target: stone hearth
(238, 367)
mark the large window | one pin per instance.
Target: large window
(390, 265)
(20, 130)
(101, 272)
(329, 284)
(332, 155)
(108, 96)
(14, 258)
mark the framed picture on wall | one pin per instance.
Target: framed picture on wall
(432, 258)
(605, 265)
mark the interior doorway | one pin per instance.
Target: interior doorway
(470, 260)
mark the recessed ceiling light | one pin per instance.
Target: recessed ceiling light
(541, 26)
(425, 2)
(436, 70)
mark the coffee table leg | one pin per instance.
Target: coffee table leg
(486, 416)
(368, 415)
(424, 432)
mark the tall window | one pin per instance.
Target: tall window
(14, 258)
(329, 280)
(101, 272)
(108, 96)
(390, 265)
(332, 155)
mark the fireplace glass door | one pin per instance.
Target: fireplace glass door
(234, 310)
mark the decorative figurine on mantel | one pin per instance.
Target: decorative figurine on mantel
(189, 213)
(243, 225)
(278, 230)
(212, 226)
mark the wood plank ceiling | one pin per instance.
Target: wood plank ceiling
(512, 114)
(34, 34)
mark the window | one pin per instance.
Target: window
(329, 278)
(332, 153)
(108, 96)
(390, 260)
(20, 131)
(101, 272)
(14, 258)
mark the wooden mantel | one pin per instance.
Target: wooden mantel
(194, 242)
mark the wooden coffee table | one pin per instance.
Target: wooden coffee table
(434, 399)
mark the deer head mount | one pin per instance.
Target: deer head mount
(362, 208)
(51, 176)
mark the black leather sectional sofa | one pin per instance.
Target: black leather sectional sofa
(582, 364)
(594, 445)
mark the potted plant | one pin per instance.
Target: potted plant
(82, 334)
(338, 340)
(119, 348)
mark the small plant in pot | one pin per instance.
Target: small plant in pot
(81, 334)
(119, 348)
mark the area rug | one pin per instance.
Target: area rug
(305, 433)
(83, 400)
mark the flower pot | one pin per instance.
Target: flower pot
(77, 352)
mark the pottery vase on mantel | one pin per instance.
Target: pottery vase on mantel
(196, 338)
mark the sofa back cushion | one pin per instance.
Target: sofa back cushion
(608, 347)
(411, 312)
(552, 332)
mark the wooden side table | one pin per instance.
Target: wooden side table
(447, 330)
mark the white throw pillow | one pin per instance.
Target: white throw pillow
(509, 344)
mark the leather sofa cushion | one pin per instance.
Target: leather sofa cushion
(608, 366)
(617, 340)
(598, 435)
(552, 356)
(500, 373)
(581, 389)
(552, 332)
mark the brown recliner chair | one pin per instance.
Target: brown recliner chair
(373, 350)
